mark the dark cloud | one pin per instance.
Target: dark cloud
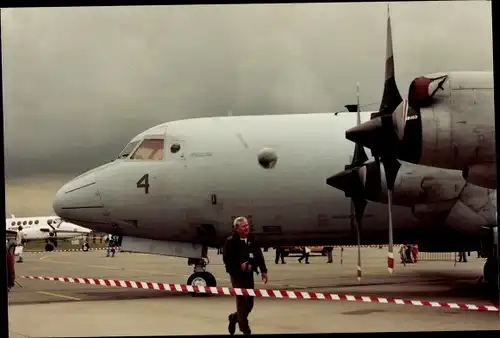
(79, 83)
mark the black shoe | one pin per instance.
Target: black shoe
(232, 324)
(282, 262)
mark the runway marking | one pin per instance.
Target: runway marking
(57, 295)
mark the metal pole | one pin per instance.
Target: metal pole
(342, 255)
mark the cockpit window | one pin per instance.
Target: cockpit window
(150, 149)
(128, 149)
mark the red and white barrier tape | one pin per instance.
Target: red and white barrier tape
(265, 293)
(71, 250)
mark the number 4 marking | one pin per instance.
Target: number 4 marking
(144, 183)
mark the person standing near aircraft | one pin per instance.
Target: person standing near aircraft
(242, 256)
(329, 252)
(20, 240)
(110, 249)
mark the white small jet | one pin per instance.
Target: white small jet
(44, 228)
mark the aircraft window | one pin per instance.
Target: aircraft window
(13, 223)
(36, 222)
(24, 223)
(128, 149)
(150, 149)
(19, 223)
(49, 221)
(30, 222)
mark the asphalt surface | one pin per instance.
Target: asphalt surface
(46, 308)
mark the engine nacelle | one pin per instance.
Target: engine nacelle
(474, 211)
(433, 212)
(448, 121)
(414, 185)
(482, 175)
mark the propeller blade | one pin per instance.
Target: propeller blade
(359, 152)
(359, 208)
(378, 133)
(359, 204)
(391, 168)
(391, 97)
(390, 253)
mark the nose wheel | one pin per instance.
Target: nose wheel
(200, 276)
(202, 279)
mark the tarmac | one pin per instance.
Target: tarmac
(56, 309)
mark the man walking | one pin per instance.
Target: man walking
(305, 254)
(242, 256)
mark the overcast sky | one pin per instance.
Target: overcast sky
(79, 83)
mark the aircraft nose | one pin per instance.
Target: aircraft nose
(78, 199)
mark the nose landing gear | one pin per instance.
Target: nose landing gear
(200, 276)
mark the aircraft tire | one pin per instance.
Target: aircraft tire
(201, 279)
(49, 247)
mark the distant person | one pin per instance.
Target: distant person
(86, 245)
(111, 243)
(305, 254)
(242, 256)
(20, 241)
(408, 253)
(280, 254)
(414, 253)
(402, 251)
(329, 253)
(462, 257)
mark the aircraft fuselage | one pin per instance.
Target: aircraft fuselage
(210, 173)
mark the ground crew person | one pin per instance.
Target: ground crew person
(20, 240)
(329, 252)
(242, 256)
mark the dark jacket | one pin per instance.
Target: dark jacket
(237, 252)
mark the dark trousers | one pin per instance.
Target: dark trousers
(244, 304)
(305, 255)
(280, 253)
(329, 253)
